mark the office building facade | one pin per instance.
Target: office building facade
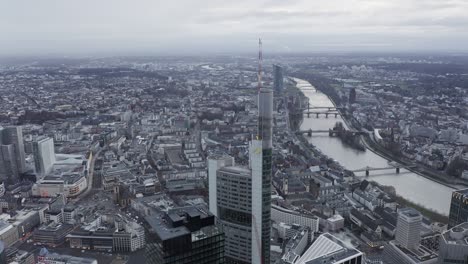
(458, 208)
(408, 230)
(44, 155)
(215, 162)
(261, 151)
(278, 78)
(184, 235)
(13, 135)
(8, 163)
(234, 207)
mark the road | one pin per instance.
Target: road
(90, 176)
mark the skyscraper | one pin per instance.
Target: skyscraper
(186, 235)
(44, 155)
(458, 208)
(352, 96)
(261, 165)
(8, 167)
(243, 194)
(408, 229)
(12, 136)
(278, 78)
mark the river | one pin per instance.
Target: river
(409, 185)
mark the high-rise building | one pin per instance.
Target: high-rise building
(278, 78)
(458, 208)
(12, 156)
(44, 155)
(241, 196)
(352, 96)
(329, 249)
(408, 229)
(234, 207)
(8, 166)
(215, 162)
(184, 235)
(261, 152)
(453, 246)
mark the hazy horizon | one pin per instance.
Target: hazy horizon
(184, 27)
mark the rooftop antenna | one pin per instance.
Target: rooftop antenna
(260, 60)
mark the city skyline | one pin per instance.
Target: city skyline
(153, 131)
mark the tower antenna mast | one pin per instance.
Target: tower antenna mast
(260, 60)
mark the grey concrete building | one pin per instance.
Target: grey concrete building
(234, 207)
(453, 247)
(408, 230)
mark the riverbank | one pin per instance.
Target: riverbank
(419, 169)
(423, 171)
(402, 202)
(413, 187)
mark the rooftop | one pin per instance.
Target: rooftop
(463, 192)
(176, 222)
(237, 170)
(458, 235)
(328, 249)
(409, 212)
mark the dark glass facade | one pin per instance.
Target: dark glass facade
(278, 78)
(184, 235)
(458, 208)
(266, 204)
(204, 251)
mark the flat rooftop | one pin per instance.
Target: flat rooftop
(172, 224)
(409, 212)
(458, 235)
(237, 170)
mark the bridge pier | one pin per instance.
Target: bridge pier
(397, 170)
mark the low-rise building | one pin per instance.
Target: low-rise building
(453, 246)
(280, 214)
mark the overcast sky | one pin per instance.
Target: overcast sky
(93, 27)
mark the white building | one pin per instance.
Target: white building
(68, 185)
(67, 176)
(215, 162)
(329, 249)
(408, 230)
(280, 214)
(44, 155)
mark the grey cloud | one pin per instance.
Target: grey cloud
(85, 26)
